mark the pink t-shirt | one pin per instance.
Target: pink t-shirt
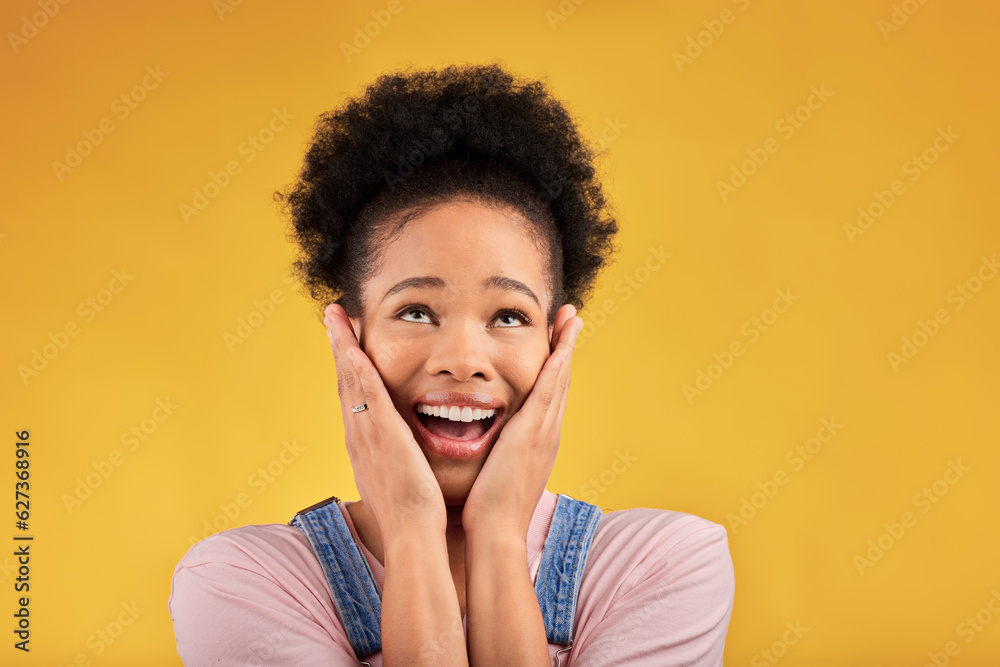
(657, 590)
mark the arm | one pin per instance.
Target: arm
(504, 619)
(505, 622)
(419, 603)
(420, 614)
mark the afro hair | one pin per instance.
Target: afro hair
(415, 139)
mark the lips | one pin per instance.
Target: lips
(439, 442)
(461, 399)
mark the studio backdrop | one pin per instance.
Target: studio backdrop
(797, 340)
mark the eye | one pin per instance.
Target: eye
(512, 314)
(419, 310)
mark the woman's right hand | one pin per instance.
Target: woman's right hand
(392, 475)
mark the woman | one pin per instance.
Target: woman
(455, 219)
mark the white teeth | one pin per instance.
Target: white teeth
(455, 413)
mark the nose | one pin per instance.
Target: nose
(462, 349)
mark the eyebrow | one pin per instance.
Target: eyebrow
(493, 282)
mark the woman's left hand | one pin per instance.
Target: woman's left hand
(505, 493)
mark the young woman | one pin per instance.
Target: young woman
(453, 222)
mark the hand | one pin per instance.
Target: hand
(392, 475)
(513, 478)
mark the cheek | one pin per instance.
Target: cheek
(388, 353)
(521, 368)
(397, 359)
(382, 354)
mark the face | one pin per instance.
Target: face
(455, 322)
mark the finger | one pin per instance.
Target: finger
(567, 340)
(373, 391)
(554, 416)
(546, 388)
(566, 312)
(342, 339)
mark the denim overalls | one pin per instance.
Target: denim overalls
(359, 601)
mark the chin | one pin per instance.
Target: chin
(456, 477)
(455, 463)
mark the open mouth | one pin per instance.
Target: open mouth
(456, 430)
(456, 439)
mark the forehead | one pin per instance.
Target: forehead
(464, 243)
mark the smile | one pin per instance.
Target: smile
(456, 432)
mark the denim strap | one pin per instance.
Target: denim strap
(359, 601)
(351, 582)
(564, 557)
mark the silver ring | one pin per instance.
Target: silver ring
(359, 408)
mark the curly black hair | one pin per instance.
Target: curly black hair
(416, 139)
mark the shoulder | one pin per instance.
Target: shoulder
(644, 534)
(250, 561)
(257, 582)
(659, 581)
(634, 545)
(257, 546)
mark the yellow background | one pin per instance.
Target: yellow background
(672, 130)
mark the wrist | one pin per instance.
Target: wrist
(491, 545)
(415, 544)
(496, 524)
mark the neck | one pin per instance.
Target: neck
(368, 530)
